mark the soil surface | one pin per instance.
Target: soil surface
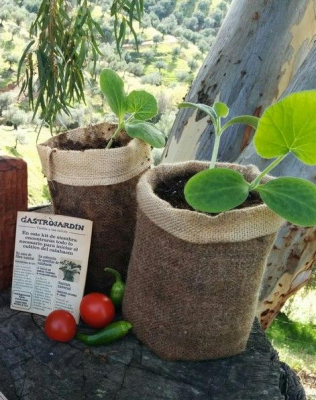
(172, 191)
(96, 143)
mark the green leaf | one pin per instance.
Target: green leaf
(147, 132)
(142, 104)
(242, 119)
(23, 58)
(112, 87)
(221, 109)
(98, 28)
(294, 199)
(289, 125)
(122, 31)
(207, 109)
(216, 190)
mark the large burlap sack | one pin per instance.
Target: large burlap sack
(193, 279)
(99, 185)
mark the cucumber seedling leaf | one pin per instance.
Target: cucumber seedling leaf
(216, 190)
(242, 119)
(202, 107)
(289, 126)
(142, 104)
(221, 109)
(146, 132)
(112, 87)
(294, 199)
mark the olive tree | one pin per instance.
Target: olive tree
(11, 59)
(161, 65)
(6, 99)
(16, 117)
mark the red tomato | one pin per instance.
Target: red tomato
(97, 310)
(60, 325)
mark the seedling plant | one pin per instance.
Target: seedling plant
(133, 110)
(288, 126)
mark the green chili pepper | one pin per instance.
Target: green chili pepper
(107, 335)
(117, 289)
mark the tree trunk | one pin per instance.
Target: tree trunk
(291, 260)
(258, 49)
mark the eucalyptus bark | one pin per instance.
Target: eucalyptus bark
(293, 256)
(258, 49)
(261, 47)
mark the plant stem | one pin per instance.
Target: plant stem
(130, 118)
(218, 132)
(114, 136)
(215, 151)
(115, 273)
(120, 127)
(257, 180)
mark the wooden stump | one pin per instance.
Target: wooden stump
(33, 367)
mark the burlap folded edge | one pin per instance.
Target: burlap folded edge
(93, 167)
(195, 227)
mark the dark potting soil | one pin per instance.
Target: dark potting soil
(95, 143)
(172, 191)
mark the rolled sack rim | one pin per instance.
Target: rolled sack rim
(93, 167)
(196, 227)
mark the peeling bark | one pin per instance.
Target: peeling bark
(290, 262)
(258, 49)
(289, 268)
(265, 49)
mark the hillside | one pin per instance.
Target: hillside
(174, 38)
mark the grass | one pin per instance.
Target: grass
(295, 343)
(301, 307)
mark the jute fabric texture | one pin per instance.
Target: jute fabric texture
(189, 295)
(237, 225)
(95, 166)
(99, 185)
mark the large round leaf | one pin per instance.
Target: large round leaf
(142, 104)
(294, 199)
(146, 132)
(112, 87)
(216, 190)
(289, 125)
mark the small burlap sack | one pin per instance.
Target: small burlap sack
(193, 279)
(99, 185)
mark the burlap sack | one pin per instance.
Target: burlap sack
(193, 279)
(99, 185)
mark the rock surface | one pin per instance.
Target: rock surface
(32, 367)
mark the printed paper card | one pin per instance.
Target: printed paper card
(50, 263)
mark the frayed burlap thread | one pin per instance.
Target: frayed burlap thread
(193, 296)
(99, 185)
